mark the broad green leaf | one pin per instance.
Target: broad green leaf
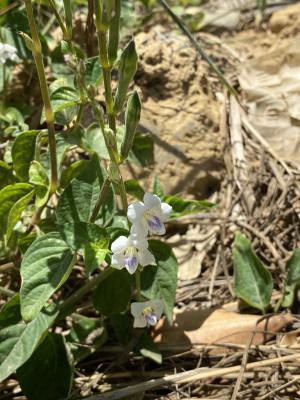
(292, 279)
(39, 178)
(48, 374)
(94, 141)
(183, 207)
(160, 281)
(86, 336)
(16, 212)
(72, 171)
(10, 313)
(78, 234)
(45, 266)
(147, 348)
(253, 282)
(64, 102)
(123, 327)
(23, 151)
(142, 152)
(77, 202)
(112, 296)
(6, 174)
(8, 197)
(18, 342)
(134, 189)
(95, 253)
(93, 73)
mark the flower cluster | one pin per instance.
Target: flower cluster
(147, 217)
(7, 52)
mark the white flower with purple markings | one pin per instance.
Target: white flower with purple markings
(7, 52)
(129, 252)
(146, 313)
(148, 216)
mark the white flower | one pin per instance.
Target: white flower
(146, 313)
(7, 52)
(130, 252)
(148, 216)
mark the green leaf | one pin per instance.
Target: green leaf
(93, 73)
(6, 175)
(48, 374)
(16, 212)
(94, 141)
(123, 327)
(95, 253)
(86, 336)
(157, 187)
(23, 151)
(253, 282)
(39, 178)
(10, 313)
(8, 197)
(18, 342)
(126, 72)
(132, 119)
(64, 102)
(72, 172)
(134, 189)
(160, 281)
(45, 266)
(79, 234)
(147, 348)
(112, 296)
(183, 207)
(292, 279)
(79, 198)
(142, 152)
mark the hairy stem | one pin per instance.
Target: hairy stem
(49, 115)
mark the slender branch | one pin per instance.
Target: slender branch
(101, 198)
(59, 19)
(197, 46)
(49, 115)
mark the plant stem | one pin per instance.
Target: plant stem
(197, 46)
(49, 115)
(103, 54)
(102, 195)
(138, 285)
(59, 19)
(69, 305)
(3, 89)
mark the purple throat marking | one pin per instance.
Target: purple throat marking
(154, 222)
(151, 319)
(130, 262)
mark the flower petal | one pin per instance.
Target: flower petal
(166, 210)
(146, 258)
(157, 306)
(139, 322)
(117, 261)
(156, 226)
(135, 211)
(120, 244)
(131, 263)
(139, 243)
(137, 308)
(151, 200)
(139, 229)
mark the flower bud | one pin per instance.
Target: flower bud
(132, 119)
(98, 112)
(110, 138)
(91, 92)
(127, 70)
(28, 41)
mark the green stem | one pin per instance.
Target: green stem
(138, 285)
(59, 19)
(49, 115)
(4, 89)
(69, 305)
(7, 292)
(107, 79)
(103, 54)
(101, 198)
